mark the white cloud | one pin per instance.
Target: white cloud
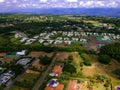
(2, 1)
(43, 0)
(72, 0)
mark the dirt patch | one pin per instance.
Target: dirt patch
(32, 72)
(92, 70)
(7, 60)
(83, 86)
(61, 56)
(38, 54)
(37, 65)
(3, 54)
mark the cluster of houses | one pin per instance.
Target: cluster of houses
(54, 84)
(5, 77)
(66, 37)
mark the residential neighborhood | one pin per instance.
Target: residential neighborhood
(59, 52)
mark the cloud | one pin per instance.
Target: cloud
(2, 1)
(43, 1)
(72, 0)
(60, 3)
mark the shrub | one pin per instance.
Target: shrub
(69, 68)
(87, 59)
(117, 72)
(45, 60)
(105, 59)
(70, 58)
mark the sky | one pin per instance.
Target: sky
(24, 4)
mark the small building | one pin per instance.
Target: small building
(24, 61)
(22, 53)
(5, 77)
(117, 88)
(54, 85)
(57, 70)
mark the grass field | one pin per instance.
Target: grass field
(14, 87)
(29, 76)
(76, 60)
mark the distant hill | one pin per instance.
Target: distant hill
(112, 12)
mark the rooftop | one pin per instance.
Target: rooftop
(57, 69)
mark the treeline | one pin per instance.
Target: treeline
(39, 47)
(113, 50)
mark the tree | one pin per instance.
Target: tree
(87, 59)
(113, 50)
(70, 58)
(105, 59)
(45, 60)
(117, 72)
(69, 68)
(18, 69)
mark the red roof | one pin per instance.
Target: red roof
(57, 70)
(72, 85)
(49, 88)
(59, 87)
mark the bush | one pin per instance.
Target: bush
(45, 60)
(87, 59)
(69, 68)
(105, 59)
(117, 72)
(70, 58)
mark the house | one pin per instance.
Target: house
(5, 77)
(117, 88)
(23, 52)
(30, 41)
(41, 40)
(72, 85)
(54, 85)
(24, 61)
(23, 39)
(57, 70)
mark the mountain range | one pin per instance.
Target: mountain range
(112, 12)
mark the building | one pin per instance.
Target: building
(57, 70)
(72, 85)
(22, 53)
(54, 85)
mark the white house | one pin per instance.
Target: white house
(23, 52)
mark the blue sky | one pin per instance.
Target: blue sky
(23, 4)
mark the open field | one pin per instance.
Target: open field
(14, 87)
(61, 56)
(3, 54)
(37, 65)
(7, 59)
(38, 54)
(76, 60)
(29, 76)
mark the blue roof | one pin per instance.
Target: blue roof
(52, 82)
(118, 88)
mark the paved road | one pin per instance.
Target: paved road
(11, 82)
(40, 81)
